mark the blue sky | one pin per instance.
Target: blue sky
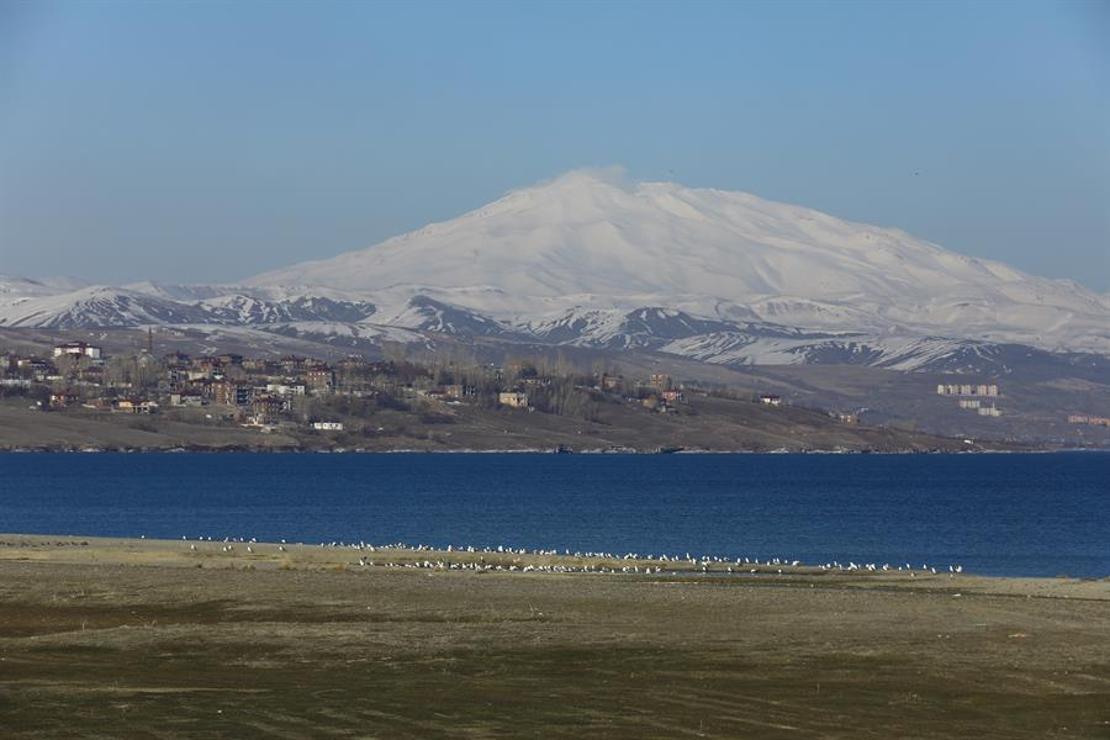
(211, 141)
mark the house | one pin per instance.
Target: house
(1096, 421)
(656, 404)
(769, 399)
(660, 381)
(38, 369)
(353, 363)
(989, 411)
(319, 378)
(267, 407)
(611, 382)
(186, 400)
(59, 400)
(513, 399)
(134, 406)
(291, 364)
(261, 365)
(124, 406)
(176, 376)
(286, 389)
(176, 359)
(969, 403)
(227, 393)
(672, 395)
(457, 391)
(967, 389)
(78, 350)
(328, 426)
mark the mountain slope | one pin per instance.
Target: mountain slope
(591, 262)
(587, 239)
(97, 306)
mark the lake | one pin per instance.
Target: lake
(1003, 514)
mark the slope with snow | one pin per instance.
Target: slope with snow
(101, 306)
(588, 240)
(590, 261)
(97, 306)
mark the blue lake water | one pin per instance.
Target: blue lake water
(1017, 514)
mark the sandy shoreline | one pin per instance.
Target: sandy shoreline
(104, 636)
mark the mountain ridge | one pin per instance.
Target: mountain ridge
(584, 234)
(592, 260)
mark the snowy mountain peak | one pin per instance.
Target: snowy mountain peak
(593, 259)
(626, 244)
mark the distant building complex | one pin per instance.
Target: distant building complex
(1095, 421)
(972, 396)
(967, 389)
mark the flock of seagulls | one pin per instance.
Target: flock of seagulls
(474, 559)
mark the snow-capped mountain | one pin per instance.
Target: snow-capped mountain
(591, 261)
(648, 327)
(589, 239)
(94, 307)
(238, 308)
(14, 286)
(427, 314)
(101, 306)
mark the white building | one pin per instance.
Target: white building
(285, 389)
(966, 389)
(328, 426)
(189, 400)
(513, 399)
(77, 349)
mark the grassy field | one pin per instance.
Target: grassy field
(116, 638)
(703, 423)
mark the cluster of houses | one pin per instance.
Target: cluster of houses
(1094, 421)
(267, 391)
(256, 391)
(972, 396)
(659, 393)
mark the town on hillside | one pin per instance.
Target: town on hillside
(268, 394)
(398, 400)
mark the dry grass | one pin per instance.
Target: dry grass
(140, 643)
